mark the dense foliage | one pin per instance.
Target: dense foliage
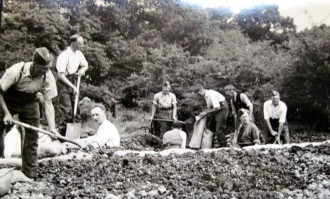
(132, 46)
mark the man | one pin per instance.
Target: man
(175, 138)
(106, 134)
(247, 133)
(164, 107)
(20, 92)
(217, 113)
(239, 103)
(67, 66)
(275, 117)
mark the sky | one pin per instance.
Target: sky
(306, 13)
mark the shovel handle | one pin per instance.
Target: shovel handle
(46, 132)
(168, 120)
(76, 99)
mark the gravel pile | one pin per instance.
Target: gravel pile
(297, 172)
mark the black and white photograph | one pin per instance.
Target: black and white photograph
(168, 99)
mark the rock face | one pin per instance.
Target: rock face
(297, 172)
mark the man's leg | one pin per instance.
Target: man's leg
(30, 114)
(65, 109)
(285, 134)
(221, 121)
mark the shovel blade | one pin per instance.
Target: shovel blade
(73, 130)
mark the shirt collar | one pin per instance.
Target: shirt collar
(70, 49)
(165, 94)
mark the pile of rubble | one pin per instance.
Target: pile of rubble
(265, 172)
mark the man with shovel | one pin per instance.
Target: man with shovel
(275, 116)
(67, 66)
(21, 88)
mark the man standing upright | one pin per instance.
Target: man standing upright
(239, 102)
(217, 113)
(21, 88)
(275, 117)
(67, 66)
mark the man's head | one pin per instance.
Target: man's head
(166, 87)
(76, 42)
(275, 97)
(245, 118)
(98, 113)
(230, 90)
(42, 61)
(200, 90)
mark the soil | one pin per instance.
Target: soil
(296, 172)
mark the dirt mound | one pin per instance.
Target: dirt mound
(296, 172)
(140, 140)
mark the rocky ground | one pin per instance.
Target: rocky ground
(296, 172)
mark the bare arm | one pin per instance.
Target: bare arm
(8, 117)
(175, 112)
(50, 115)
(153, 111)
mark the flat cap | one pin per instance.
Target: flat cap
(42, 56)
(230, 87)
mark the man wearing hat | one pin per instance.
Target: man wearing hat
(70, 64)
(275, 117)
(21, 88)
(239, 102)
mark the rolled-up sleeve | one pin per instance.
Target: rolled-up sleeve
(83, 61)
(62, 62)
(173, 98)
(11, 76)
(266, 115)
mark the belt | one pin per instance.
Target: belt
(165, 109)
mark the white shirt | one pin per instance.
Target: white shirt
(213, 98)
(69, 61)
(275, 112)
(106, 134)
(164, 101)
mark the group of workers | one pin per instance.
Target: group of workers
(26, 85)
(214, 118)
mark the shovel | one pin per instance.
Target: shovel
(46, 132)
(73, 130)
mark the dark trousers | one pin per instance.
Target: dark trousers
(27, 113)
(66, 99)
(217, 123)
(160, 127)
(285, 137)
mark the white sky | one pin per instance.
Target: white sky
(306, 13)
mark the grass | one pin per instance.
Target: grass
(129, 121)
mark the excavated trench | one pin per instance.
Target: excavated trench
(298, 171)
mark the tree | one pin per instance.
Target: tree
(265, 23)
(307, 82)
